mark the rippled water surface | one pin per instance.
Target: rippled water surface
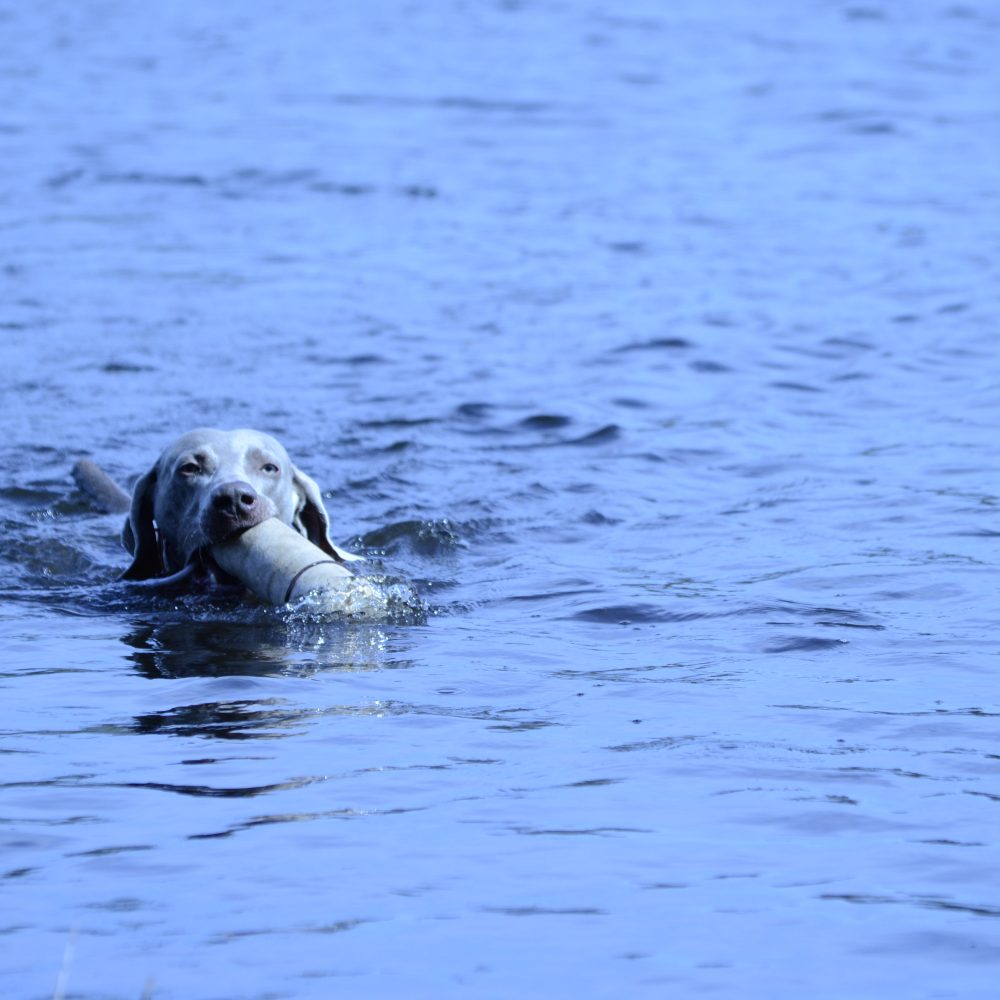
(648, 351)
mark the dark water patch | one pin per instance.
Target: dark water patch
(947, 842)
(932, 593)
(30, 498)
(910, 714)
(493, 104)
(66, 177)
(658, 743)
(821, 353)
(720, 320)
(849, 345)
(629, 247)
(545, 422)
(337, 927)
(895, 772)
(595, 831)
(858, 121)
(601, 436)
(460, 102)
(474, 411)
(709, 367)
(803, 644)
(125, 368)
(595, 517)
(209, 791)
(397, 447)
(604, 435)
(14, 873)
(658, 673)
(396, 423)
(842, 624)
(544, 911)
(418, 191)
(242, 183)
(147, 179)
(655, 344)
(759, 470)
(375, 492)
(629, 614)
(103, 852)
(434, 537)
(348, 190)
(44, 560)
(227, 720)
(820, 614)
(688, 456)
(926, 902)
(552, 595)
(864, 13)
(524, 726)
(874, 128)
(796, 387)
(275, 819)
(350, 360)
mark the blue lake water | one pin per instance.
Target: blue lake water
(652, 348)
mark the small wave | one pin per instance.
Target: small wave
(822, 614)
(240, 183)
(657, 344)
(628, 614)
(474, 411)
(610, 432)
(803, 644)
(796, 387)
(425, 537)
(545, 422)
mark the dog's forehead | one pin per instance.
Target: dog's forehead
(245, 441)
(224, 446)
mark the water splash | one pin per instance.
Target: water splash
(360, 599)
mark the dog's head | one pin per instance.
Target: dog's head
(209, 485)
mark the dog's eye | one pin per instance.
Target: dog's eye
(270, 468)
(189, 469)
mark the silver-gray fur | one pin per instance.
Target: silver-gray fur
(208, 486)
(102, 490)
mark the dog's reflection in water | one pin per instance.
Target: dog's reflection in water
(237, 649)
(225, 648)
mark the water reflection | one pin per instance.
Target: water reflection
(242, 719)
(228, 720)
(218, 648)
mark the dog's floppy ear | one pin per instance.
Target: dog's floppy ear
(311, 518)
(139, 533)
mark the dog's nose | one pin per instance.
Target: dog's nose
(236, 499)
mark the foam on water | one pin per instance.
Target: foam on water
(360, 599)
